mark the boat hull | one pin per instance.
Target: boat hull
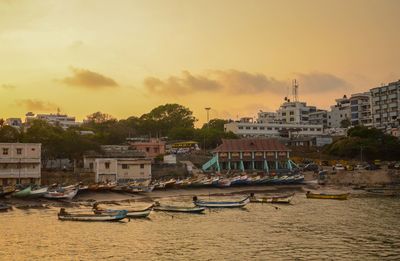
(93, 217)
(179, 209)
(222, 204)
(284, 199)
(328, 196)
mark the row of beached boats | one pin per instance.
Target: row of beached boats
(105, 214)
(230, 181)
(52, 192)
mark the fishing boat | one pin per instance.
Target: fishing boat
(4, 207)
(170, 183)
(277, 199)
(37, 193)
(343, 196)
(4, 191)
(64, 215)
(223, 183)
(131, 213)
(22, 193)
(63, 194)
(194, 210)
(221, 204)
(239, 180)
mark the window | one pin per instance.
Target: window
(142, 166)
(291, 119)
(291, 112)
(91, 165)
(247, 128)
(19, 151)
(107, 165)
(5, 151)
(283, 113)
(33, 149)
(155, 150)
(262, 128)
(147, 149)
(125, 166)
(240, 128)
(254, 128)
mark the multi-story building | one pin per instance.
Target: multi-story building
(14, 122)
(253, 129)
(339, 112)
(20, 163)
(294, 112)
(120, 164)
(319, 117)
(386, 105)
(360, 107)
(62, 120)
(151, 147)
(264, 116)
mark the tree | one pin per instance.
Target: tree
(217, 124)
(345, 123)
(9, 134)
(99, 117)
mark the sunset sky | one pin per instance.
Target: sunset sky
(237, 57)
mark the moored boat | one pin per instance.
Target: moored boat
(166, 208)
(64, 215)
(66, 194)
(221, 204)
(37, 193)
(343, 196)
(131, 213)
(22, 193)
(224, 182)
(4, 207)
(277, 199)
(4, 191)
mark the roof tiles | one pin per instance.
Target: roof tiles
(230, 145)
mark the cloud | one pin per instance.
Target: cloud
(88, 79)
(230, 81)
(321, 82)
(37, 105)
(8, 86)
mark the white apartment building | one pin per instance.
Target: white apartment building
(339, 112)
(20, 163)
(251, 129)
(62, 120)
(360, 107)
(319, 117)
(294, 112)
(386, 105)
(264, 116)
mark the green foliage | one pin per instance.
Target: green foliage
(9, 134)
(345, 123)
(217, 124)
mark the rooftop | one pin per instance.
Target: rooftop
(251, 145)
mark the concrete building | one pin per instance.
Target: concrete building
(62, 120)
(151, 147)
(319, 117)
(386, 105)
(251, 129)
(261, 155)
(20, 163)
(339, 112)
(264, 117)
(294, 112)
(118, 164)
(14, 122)
(360, 107)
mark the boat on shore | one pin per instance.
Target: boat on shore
(223, 183)
(4, 207)
(221, 204)
(37, 193)
(62, 194)
(275, 199)
(64, 215)
(166, 208)
(131, 213)
(22, 193)
(342, 196)
(4, 191)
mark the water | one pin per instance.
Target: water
(356, 229)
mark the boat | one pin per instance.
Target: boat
(4, 207)
(281, 199)
(194, 210)
(66, 194)
(170, 183)
(131, 213)
(37, 193)
(221, 204)
(239, 180)
(4, 191)
(64, 215)
(223, 183)
(390, 192)
(22, 193)
(343, 196)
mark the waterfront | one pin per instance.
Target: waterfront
(359, 228)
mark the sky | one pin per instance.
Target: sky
(237, 57)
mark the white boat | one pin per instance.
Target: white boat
(63, 215)
(38, 192)
(67, 194)
(221, 204)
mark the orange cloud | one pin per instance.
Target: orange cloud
(88, 79)
(37, 105)
(317, 82)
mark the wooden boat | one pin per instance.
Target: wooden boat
(23, 192)
(194, 210)
(277, 199)
(223, 183)
(4, 207)
(221, 204)
(131, 213)
(37, 193)
(4, 191)
(66, 194)
(170, 183)
(343, 196)
(102, 186)
(63, 215)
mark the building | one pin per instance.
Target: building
(244, 128)
(255, 155)
(62, 120)
(339, 112)
(151, 147)
(294, 112)
(386, 105)
(14, 122)
(318, 117)
(118, 164)
(20, 163)
(360, 107)
(264, 117)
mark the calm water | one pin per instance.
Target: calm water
(357, 229)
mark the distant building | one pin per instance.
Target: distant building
(386, 105)
(294, 112)
(62, 120)
(118, 164)
(249, 129)
(360, 107)
(151, 147)
(339, 112)
(14, 122)
(264, 117)
(20, 163)
(263, 155)
(319, 117)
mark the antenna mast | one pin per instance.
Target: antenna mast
(295, 90)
